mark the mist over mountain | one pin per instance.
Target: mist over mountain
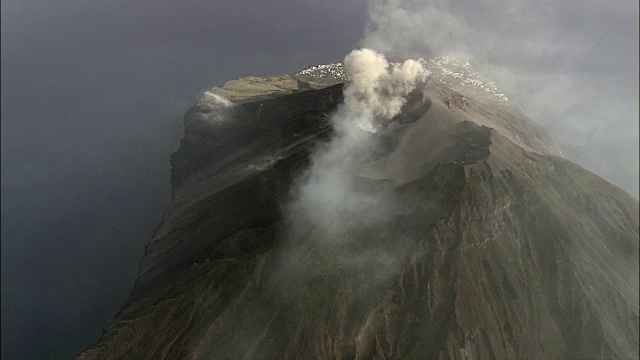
(368, 210)
(339, 177)
(568, 64)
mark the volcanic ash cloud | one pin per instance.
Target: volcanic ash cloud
(329, 195)
(376, 91)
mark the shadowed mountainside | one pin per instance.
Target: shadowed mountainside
(497, 247)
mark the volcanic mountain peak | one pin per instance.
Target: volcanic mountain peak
(486, 243)
(459, 75)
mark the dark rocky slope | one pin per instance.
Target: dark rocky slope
(500, 248)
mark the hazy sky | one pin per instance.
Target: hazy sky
(572, 65)
(92, 99)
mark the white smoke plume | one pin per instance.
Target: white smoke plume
(217, 106)
(377, 91)
(328, 195)
(218, 99)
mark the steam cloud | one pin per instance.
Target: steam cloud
(218, 100)
(374, 91)
(218, 107)
(337, 219)
(328, 195)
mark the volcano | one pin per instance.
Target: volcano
(495, 246)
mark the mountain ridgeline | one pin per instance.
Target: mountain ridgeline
(490, 246)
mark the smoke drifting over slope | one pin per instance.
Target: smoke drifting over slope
(327, 195)
(218, 100)
(571, 65)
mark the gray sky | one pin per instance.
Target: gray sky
(93, 94)
(92, 99)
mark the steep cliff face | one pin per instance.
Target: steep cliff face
(495, 247)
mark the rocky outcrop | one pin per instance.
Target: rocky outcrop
(500, 248)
